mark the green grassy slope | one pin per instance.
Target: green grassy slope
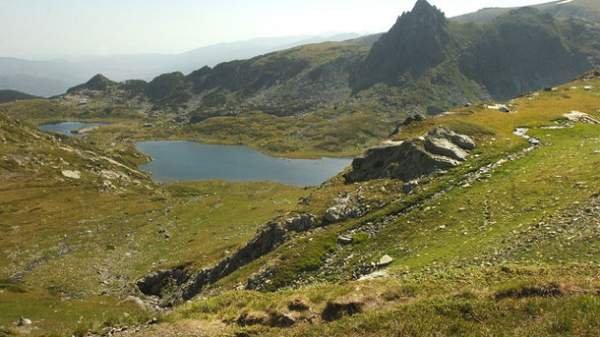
(70, 248)
(512, 250)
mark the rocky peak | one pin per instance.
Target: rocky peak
(423, 7)
(97, 83)
(416, 43)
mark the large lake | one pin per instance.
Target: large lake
(182, 160)
(68, 128)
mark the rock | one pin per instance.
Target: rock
(24, 322)
(444, 147)
(345, 208)
(300, 222)
(576, 116)
(410, 186)
(385, 261)
(154, 283)
(344, 240)
(439, 150)
(71, 174)
(463, 141)
(298, 305)
(499, 107)
(335, 310)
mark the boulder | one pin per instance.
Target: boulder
(440, 149)
(24, 322)
(385, 261)
(445, 147)
(344, 208)
(463, 141)
(582, 117)
(300, 222)
(71, 174)
(344, 240)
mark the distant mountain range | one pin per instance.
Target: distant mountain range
(426, 63)
(48, 78)
(11, 96)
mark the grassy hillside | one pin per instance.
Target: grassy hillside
(507, 244)
(72, 243)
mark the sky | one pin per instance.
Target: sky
(37, 29)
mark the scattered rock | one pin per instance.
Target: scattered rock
(499, 107)
(24, 322)
(576, 116)
(344, 240)
(71, 174)
(385, 261)
(410, 186)
(344, 208)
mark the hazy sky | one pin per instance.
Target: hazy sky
(54, 28)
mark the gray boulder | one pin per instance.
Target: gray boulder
(440, 149)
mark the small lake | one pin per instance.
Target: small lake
(68, 128)
(182, 160)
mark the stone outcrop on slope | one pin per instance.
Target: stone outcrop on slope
(440, 149)
(177, 284)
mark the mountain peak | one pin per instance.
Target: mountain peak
(98, 83)
(416, 43)
(422, 5)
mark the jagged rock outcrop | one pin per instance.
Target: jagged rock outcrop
(416, 43)
(177, 284)
(440, 149)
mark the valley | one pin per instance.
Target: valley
(442, 183)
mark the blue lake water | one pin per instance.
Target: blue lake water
(67, 128)
(182, 160)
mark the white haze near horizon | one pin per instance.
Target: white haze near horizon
(37, 29)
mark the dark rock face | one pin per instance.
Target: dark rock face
(441, 149)
(168, 87)
(154, 283)
(415, 44)
(522, 51)
(179, 285)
